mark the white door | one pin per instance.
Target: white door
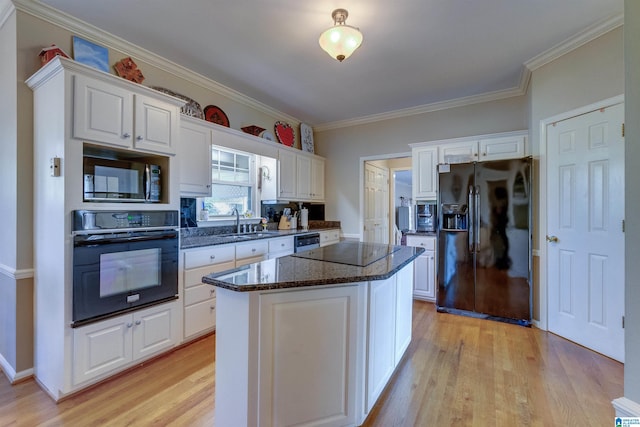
(585, 240)
(376, 204)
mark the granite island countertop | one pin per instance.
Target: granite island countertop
(344, 262)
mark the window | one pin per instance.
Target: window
(232, 183)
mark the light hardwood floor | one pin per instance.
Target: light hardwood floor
(458, 371)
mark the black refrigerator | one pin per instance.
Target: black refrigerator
(484, 240)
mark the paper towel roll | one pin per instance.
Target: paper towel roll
(304, 218)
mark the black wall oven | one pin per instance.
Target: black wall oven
(122, 260)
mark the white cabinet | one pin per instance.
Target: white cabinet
(286, 175)
(303, 177)
(104, 347)
(381, 337)
(281, 246)
(425, 173)
(404, 311)
(114, 115)
(510, 145)
(199, 298)
(317, 179)
(459, 152)
(300, 177)
(507, 147)
(250, 252)
(424, 267)
(194, 159)
(329, 237)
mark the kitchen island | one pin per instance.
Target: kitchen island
(311, 338)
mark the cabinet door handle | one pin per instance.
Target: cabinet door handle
(253, 249)
(212, 257)
(129, 325)
(484, 154)
(211, 308)
(126, 135)
(138, 322)
(212, 291)
(139, 138)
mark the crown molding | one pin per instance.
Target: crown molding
(422, 109)
(6, 9)
(95, 34)
(574, 42)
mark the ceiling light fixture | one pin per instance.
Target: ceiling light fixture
(341, 40)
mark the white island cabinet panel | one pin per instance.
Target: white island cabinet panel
(381, 335)
(291, 390)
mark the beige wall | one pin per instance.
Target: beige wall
(632, 203)
(345, 147)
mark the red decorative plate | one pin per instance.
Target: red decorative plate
(285, 133)
(215, 115)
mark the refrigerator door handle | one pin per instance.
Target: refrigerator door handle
(477, 217)
(470, 226)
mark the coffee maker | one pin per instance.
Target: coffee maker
(426, 217)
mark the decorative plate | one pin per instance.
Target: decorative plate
(191, 108)
(215, 115)
(306, 138)
(253, 130)
(285, 133)
(128, 69)
(267, 135)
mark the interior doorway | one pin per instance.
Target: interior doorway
(379, 206)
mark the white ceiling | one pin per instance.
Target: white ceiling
(415, 52)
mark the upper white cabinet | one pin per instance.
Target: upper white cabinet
(484, 148)
(195, 158)
(508, 147)
(317, 179)
(300, 176)
(425, 173)
(459, 152)
(110, 114)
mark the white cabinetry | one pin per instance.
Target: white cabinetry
(425, 173)
(114, 115)
(281, 246)
(424, 267)
(329, 237)
(300, 176)
(511, 145)
(195, 158)
(104, 347)
(199, 298)
(287, 171)
(506, 147)
(250, 252)
(75, 105)
(317, 179)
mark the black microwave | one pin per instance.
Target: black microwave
(110, 180)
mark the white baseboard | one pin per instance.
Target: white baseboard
(626, 407)
(351, 237)
(11, 373)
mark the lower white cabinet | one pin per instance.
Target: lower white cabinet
(199, 298)
(113, 344)
(329, 237)
(282, 246)
(424, 267)
(250, 252)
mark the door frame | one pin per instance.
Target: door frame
(362, 161)
(541, 252)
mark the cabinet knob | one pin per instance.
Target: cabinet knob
(484, 154)
(139, 138)
(126, 135)
(282, 245)
(129, 325)
(212, 291)
(138, 322)
(253, 249)
(212, 257)
(211, 308)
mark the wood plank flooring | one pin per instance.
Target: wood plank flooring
(458, 371)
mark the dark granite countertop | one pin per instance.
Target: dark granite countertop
(300, 270)
(194, 240)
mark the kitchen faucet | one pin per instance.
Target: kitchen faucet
(235, 210)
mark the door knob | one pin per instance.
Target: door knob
(552, 239)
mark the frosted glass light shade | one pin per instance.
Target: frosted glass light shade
(340, 41)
